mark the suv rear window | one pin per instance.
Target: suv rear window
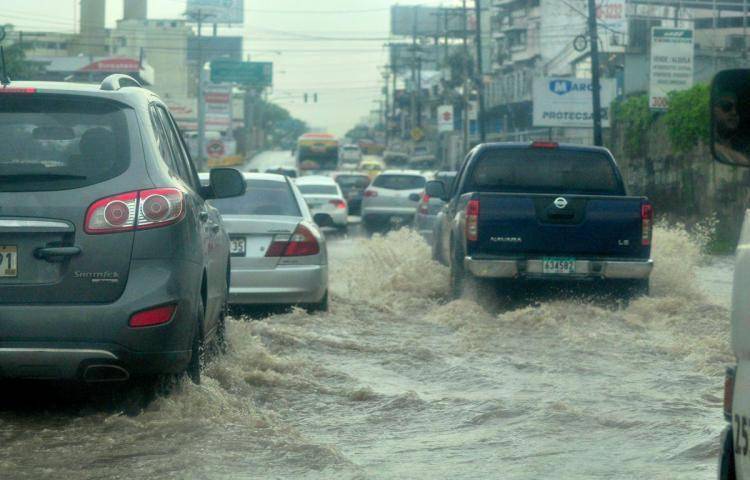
(52, 142)
(347, 182)
(399, 182)
(553, 171)
(262, 197)
(318, 189)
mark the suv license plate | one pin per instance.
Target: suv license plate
(8, 261)
(559, 266)
(237, 246)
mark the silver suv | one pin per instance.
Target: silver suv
(113, 264)
(392, 199)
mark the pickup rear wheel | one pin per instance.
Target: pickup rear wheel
(628, 290)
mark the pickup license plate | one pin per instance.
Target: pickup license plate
(8, 261)
(237, 246)
(559, 266)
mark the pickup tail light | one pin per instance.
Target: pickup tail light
(301, 243)
(138, 210)
(152, 317)
(729, 392)
(371, 193)
(340, 204)
(472, 221)
(647, 223)
(424, 207)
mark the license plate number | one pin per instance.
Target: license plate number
(237, 247)
(559, 266)
(8, 261)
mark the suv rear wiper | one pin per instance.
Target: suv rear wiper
(41, 176)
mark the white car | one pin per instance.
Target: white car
(325, 199)
(392, 199)
(350, 154)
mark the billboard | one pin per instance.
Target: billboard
(430, 21)
(404, 55)
(217, 11)
(212, 48)
(567, 101)
(671, 64)
(218, 100)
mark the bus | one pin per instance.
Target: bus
(317, 151)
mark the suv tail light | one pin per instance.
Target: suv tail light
(153, 316)
(472, 221)
(338, 203)
(301, 243)
(424, 205)
(647, 223)
(729, 392)
(135, 211)
(371, 193)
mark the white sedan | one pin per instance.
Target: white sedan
(325, 199)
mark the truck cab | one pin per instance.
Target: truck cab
(730, 145)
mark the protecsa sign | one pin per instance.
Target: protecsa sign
(567, 101)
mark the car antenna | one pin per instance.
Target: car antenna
(4, 79)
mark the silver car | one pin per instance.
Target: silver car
(391, 200)
(429, 207)
(278, 254)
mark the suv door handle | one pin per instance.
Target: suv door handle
(203, 216)
(56, 254)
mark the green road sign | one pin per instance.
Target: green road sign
(258, 74)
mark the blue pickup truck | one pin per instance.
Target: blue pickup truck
(543, 211)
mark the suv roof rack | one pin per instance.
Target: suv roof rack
(117, 81)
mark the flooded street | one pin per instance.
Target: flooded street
(396, 381)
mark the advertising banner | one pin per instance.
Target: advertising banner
(671, 64)
(567, 101)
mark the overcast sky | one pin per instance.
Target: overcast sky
(344, 68)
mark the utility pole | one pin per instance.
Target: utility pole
(414, 69)
(465, 119)
(595, 84)
(199, 17)
(480, 72)
(419, 91)
(386, 75)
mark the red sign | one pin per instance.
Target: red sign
(114, 65)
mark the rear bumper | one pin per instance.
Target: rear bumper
(60, 341)
(284, 285)
(585, 269)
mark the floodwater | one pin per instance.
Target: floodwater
(398, 381)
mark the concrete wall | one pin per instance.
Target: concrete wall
(686, 187)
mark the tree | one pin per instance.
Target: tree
(16, 65)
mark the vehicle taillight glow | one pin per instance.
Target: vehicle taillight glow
(472, 221)
(647, 223)
(300, 244)
(545, 145)
(27, 90)
(371, 193)
(424, 205)
(340, 204)
(729, 392)
(152, 317)
(135, 210)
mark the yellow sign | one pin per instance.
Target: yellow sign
(417, 134)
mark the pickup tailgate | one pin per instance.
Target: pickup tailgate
(531, 225)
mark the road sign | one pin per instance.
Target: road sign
(417, 134)
(445, 118)
(257, 74)
(215, 149)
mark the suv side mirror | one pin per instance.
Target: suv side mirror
(226, 183)
(730, 117)
(436, 188)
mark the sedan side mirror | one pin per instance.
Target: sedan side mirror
(436, 188)
(226, 183)
(730, 117)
